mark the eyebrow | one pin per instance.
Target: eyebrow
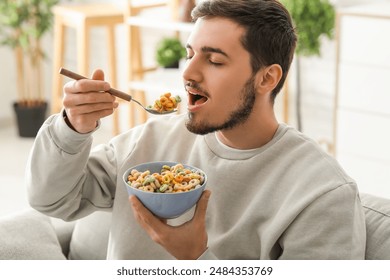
(209, 50)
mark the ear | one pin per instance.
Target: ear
(268, 78)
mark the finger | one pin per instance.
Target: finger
(88, 108)
(151, 224)
(146, 219)
(98, 74)
(201, 206)
(84, 123)
(97, 100)
(86, 85)
(93, 97)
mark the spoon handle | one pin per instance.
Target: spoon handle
(112, 91)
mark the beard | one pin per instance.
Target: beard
(236, 117)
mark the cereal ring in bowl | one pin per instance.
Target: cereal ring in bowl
(168, 189)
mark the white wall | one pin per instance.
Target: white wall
(318, 85)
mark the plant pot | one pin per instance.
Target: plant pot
(30, 118)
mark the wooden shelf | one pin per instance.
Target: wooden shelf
(168, 80)
(164, 24)
(141, 79)
(379, 10)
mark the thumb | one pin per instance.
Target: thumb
(201, 207)
(98, 74)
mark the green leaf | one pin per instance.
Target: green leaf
(169, 51)
(313, 19)
(23, 21)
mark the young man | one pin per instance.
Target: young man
(275, 193)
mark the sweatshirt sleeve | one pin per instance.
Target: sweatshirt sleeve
(208, 255)
(331, 227)
(63, 178)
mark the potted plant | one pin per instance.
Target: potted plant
(22, 26)
(313, 19)
(169, 52)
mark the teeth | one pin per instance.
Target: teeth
(196, 94)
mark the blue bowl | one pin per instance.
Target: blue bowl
(165, 205)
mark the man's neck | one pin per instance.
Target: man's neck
(251, 135)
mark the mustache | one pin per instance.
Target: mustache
(195, 86)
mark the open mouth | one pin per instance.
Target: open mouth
(196, 98)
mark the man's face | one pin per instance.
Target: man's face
(218, 77)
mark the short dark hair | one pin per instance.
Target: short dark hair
(270, 37)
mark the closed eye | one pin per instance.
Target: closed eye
(188, 57)
(210, 54)
(215, 63)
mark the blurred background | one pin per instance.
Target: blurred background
(337, 90)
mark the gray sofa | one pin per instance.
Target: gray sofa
(29, 235)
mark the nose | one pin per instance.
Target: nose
(192, 70)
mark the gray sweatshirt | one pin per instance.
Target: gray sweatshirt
(285, 200)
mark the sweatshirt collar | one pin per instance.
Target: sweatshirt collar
(224, 151)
